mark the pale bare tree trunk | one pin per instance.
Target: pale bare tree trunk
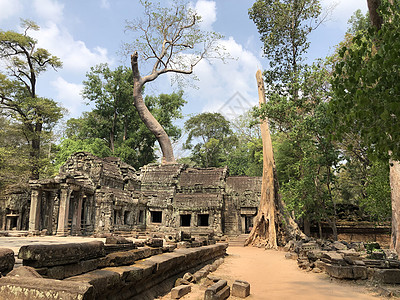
(273, 226)
(146, 116)
(395, 195)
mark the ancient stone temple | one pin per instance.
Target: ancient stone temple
(97, 195)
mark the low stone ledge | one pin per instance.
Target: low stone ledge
(65, 271)
(346, 272)
(28, 288)
(7, 260)
(61, 254)
(389, 276)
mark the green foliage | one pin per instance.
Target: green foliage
(68, 147)
(366, 86)
(22, 63)
(377, 203)
(284, 26)
(114, 122)
(14, 154)
(358, 22)
(213, 136)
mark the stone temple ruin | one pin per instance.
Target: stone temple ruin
(93, 195)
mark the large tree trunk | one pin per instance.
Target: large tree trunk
(146, 116)
(395, 195)
(273, 226)
(35, 150)
(375, 18)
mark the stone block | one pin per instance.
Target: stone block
(61, 254)
(390, 276)
(291, 255)
(333, 257)
(339, 246)
(169, 248)
(117, 240)
(24, 271)
(223, 294)
(183, 244)
(148, 267)
(359, 272)
(340, 272)
(217, 291)
(103, 281)
(180, 291)
(129, 273)
(7, 260)
(240, 289)
(167, 261)
(154, 242)
(188, 277)
(181, 281)
(346, 272)
(29, 288)
(122, 258)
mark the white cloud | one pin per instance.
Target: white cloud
(69, 95)
(208, 12)
(224, 85)
(74, 54)
(50, 10)
(105, 4)
(344, 10)
(9, 8)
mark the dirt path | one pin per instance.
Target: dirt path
(271, 276)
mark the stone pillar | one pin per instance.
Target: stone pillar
(78, 213)
(50, 201)
(34, 214)
(62, 227)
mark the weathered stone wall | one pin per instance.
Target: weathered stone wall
(241, 203)
(14, 208)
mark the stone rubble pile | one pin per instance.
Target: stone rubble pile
(343, 260)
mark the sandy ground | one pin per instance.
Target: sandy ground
(271, 276)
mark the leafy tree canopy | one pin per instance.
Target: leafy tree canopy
(366, 85)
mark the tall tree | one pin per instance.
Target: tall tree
(284, 26)
(23, 63)
(367, 92)
(213, 135)
(114, 127)
(172, 40)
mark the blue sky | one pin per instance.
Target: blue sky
(84, 33)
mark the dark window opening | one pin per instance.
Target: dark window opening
(156, 216)
(203, 220)
(185, 220)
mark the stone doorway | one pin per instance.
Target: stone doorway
(248, 223)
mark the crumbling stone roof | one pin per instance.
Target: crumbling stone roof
(206, 178)
(242, 184)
